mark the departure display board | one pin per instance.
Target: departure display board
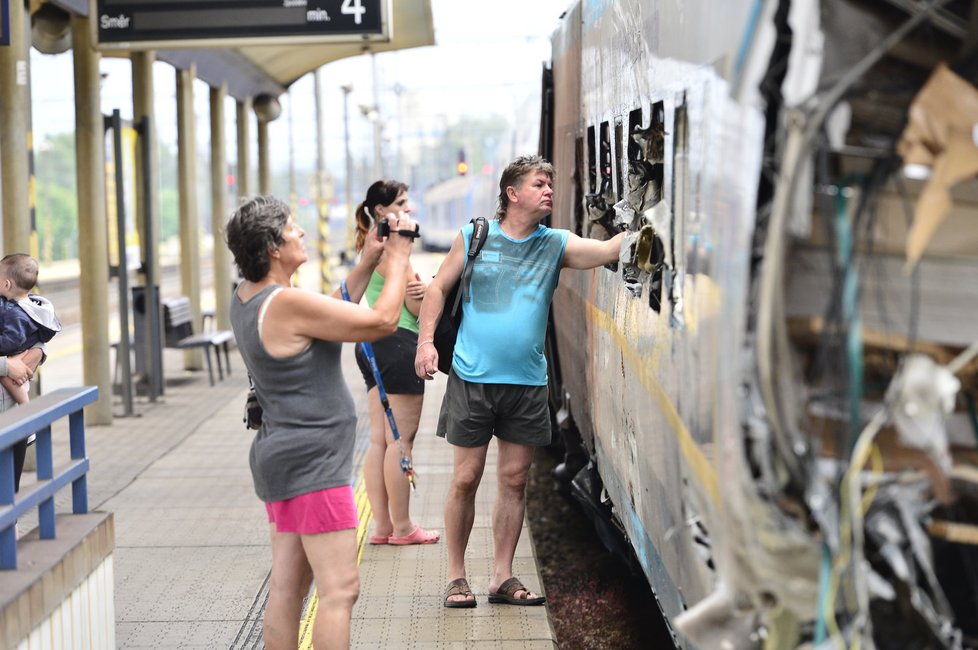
(4, 22)
(150, 24)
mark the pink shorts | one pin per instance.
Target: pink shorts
(323, 511)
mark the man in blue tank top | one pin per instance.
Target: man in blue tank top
(498, 384)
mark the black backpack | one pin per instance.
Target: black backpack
(446, 331)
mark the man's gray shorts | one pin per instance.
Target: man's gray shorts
(471, 414)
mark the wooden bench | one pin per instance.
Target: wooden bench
(178, 332)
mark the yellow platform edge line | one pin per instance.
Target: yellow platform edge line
(699, 465)
(364, 515)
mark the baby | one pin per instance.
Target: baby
(25, 319)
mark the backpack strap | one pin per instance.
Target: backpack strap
(479, 232)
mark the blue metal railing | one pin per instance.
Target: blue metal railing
(18, 424)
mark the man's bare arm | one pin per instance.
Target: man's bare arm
(21, 367)
(583, 253)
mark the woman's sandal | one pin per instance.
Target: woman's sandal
(417, 536)
(506, 594)
(459, 587)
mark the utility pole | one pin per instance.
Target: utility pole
(325, 273)
(348, 252)
(378, 125)
(398, 91)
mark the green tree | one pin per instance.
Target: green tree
(56, 211)
(169, 194)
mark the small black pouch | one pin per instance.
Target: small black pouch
(252, 410)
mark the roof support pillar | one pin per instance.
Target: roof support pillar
(148, 219)
(93, 256)
(244, 149)
(219, 209)
(189, 222)
(267, 108)
(15, 134)
(142, 106)
(264, 175)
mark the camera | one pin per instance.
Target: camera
(384, 230)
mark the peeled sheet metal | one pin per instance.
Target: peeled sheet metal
(940, 135)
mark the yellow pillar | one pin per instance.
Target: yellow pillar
(189, 221)
(264, 174)
(219, 210)
(243, 183)
(142, 106)
(15, 134)
(93, 256)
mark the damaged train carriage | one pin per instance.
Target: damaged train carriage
(774, 388)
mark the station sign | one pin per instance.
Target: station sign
(4, 22)
(150, 24)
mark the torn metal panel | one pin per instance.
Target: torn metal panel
(941, 134)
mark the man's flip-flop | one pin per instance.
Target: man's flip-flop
(506, 594)
(417, 536)
(459, 587)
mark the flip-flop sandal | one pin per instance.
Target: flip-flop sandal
(459, 587)
(417, 536)
(506, 594)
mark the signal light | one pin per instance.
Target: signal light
(462, 167)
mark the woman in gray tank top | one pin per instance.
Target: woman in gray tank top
(301, 458)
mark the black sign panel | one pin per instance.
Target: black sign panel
(148, 24)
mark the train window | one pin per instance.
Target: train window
(578, 189)
(646, 171)
(592, 162)
(600, 214)
(619, 185)
(680, 178)
(645, 159)
(634, 124)
(605, 158)
(653, 144)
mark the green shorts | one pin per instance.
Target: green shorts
(471, 414)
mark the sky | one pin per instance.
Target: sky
(487, 61)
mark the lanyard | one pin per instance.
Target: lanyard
(407, 467)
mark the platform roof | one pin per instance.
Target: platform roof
(270, 69)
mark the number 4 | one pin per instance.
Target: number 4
(353, 7)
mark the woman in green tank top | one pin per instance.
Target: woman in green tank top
(387, 488)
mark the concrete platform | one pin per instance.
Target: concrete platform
(192, 555)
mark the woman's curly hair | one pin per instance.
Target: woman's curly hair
(253, 231)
